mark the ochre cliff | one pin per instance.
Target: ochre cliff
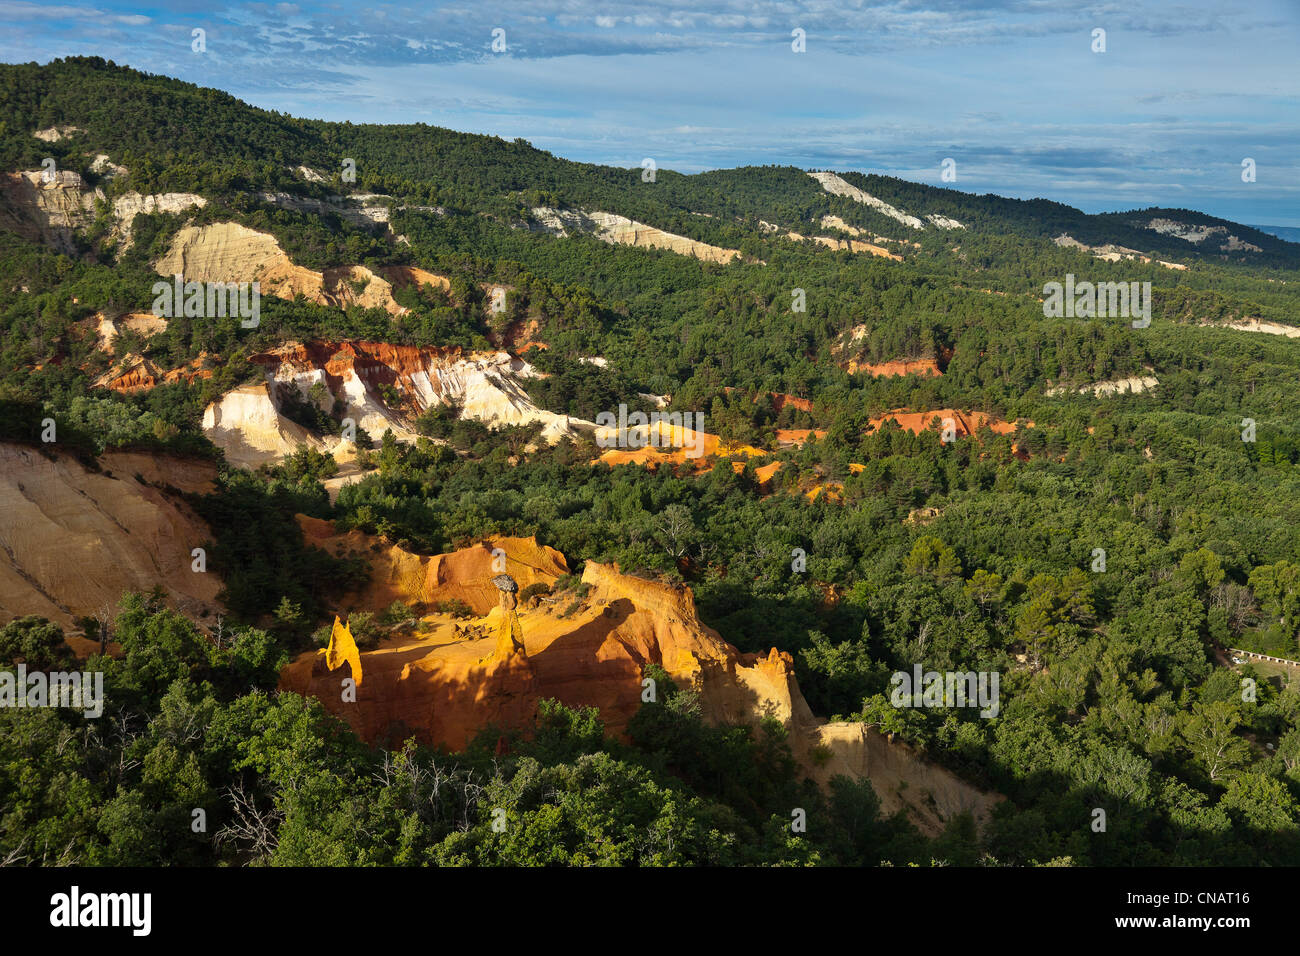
(963, 423)
(247, 425)
(923, 367)
(72, 540)
(465, 575)
(448, 680)
(229, 252)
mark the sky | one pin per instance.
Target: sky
(1014, 92)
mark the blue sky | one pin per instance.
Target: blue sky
(1009, 89)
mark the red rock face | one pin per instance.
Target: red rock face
(136, 374)
(192, 372)
(373, 359)
(780, 400)
(964, 423)
(136, 378)
(375, 363)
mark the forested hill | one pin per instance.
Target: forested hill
(177, 136)
(915, 461)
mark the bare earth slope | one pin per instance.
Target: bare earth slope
(246, 422)
(229, 252)
(837, 186)
(73, 540)
(619, 230)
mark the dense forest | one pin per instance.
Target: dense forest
(979, 554)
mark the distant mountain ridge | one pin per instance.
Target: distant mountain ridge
(1289, 233)
(174, 136)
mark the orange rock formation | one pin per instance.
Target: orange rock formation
(673, 443)
(924, 367)
(964, 423)
(448, 681)
(466, 575)
(135, 373)
(343, 649)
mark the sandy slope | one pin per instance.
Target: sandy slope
(229, 252)
(619, 230)
(73, 539)
(248, 427)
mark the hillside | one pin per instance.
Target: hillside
(66, 551)
(774, 439)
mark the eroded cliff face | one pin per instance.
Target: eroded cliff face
(47, 209)
(850, 353)
(846, 245)
(51, 208)
(135, 373)
(449, 679)
(963, 423)
(1197, 234)
(837, 186)
(108, 328)
(1113, 253)
(619, 230)
(901, 777)
(466, 575)
(126, 207)
(72, 540)
(486, 386)
(1133, 384)
(923, 367)
(229, 252)
(247, 425)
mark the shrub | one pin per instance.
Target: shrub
(571, 582)
(541, 587)
(395, 613)
(365, 629)
(455, 607)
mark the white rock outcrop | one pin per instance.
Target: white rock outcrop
(619, 230)
(1118, 386)
(836, 186)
